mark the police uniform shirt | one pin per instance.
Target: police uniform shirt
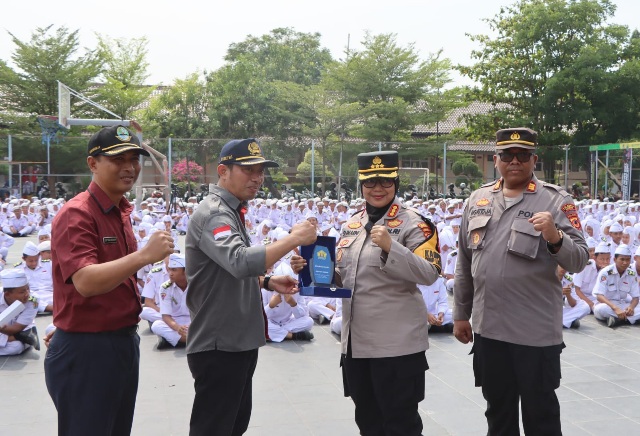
(222, 271)
(514, 294)
(616, 287)
(26, 317)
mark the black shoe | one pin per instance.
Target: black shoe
(321, 319)
(575, 324)
(613, 321)
(150, 323)
(305, 335)
(163, 344)
(29, 337)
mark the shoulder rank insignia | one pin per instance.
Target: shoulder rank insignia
(393, 211)
(17, 264)
(631, 272)
(568, 277)
(45, 260)
(156, 269)
(167, 284)
(453, 254)
(34, 300)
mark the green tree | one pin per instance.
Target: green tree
(558, 67)
(392, 86)
(180, 111)
(50, 55)
(125, 73)
(261, 89)
(304, 168)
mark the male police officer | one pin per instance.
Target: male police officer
(225, 276)
(513, 235)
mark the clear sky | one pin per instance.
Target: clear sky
(190, 35)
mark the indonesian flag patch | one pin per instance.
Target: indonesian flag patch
(221, 232)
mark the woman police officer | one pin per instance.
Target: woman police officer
(384, 252)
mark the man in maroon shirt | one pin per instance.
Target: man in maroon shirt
(91, 366)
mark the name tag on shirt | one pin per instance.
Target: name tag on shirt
(109, 240)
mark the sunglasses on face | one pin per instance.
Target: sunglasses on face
(384, 182)
(522, 156)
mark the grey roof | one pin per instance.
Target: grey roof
(455, 119)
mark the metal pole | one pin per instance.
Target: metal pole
(444, 170)
(606, 178)
(379, 146)
(48, 156)
(340, 173)
(19, 180)
(170, 162)
(566, 167)
(313, 165)
(9, 143)
(594, 192)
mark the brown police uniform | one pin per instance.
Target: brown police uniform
(384, 324)
(505, 282)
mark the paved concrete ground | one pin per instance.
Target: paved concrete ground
(298, 387)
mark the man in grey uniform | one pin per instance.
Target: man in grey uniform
(225, 274)
(513, 235)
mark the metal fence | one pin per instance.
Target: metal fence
(27, 162)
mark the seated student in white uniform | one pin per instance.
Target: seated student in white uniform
(321, 308)
(6, 241)
(439, 315)
(585, 280)
(19, 333)
(614, 285)
(39, 276)
(574, 308)
(173, 328)
(151, 292)
(336, 322)
(287, 315)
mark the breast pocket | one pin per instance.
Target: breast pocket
(524, 240)
(476, 231)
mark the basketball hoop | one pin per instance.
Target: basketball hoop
(50, 128)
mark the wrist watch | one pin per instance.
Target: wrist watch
(265, 282)
(559, 243)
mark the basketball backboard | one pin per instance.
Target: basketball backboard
(64, 104)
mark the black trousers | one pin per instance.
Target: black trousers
(386, 392)
(222, 381)
(510, 373)
(93, 381)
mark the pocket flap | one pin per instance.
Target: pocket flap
(524, 226)
(478, 223)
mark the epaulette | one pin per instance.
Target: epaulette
(45, 260)
(631, 272)
(453, 253)
(357, 211)
(611, 271)
(560, 189)
(34, 300)
(17, 264)
(167, 284)
(568, 277)
(158, 262)
(486, 185)
(156, 269)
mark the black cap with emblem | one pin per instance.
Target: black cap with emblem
(378, 164)
(114, 140)
(244, 152)
(520, 137)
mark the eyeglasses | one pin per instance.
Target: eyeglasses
(384, 182)
(522, 156)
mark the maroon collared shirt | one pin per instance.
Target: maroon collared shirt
(90, 230)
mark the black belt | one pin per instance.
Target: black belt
(124, 331)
